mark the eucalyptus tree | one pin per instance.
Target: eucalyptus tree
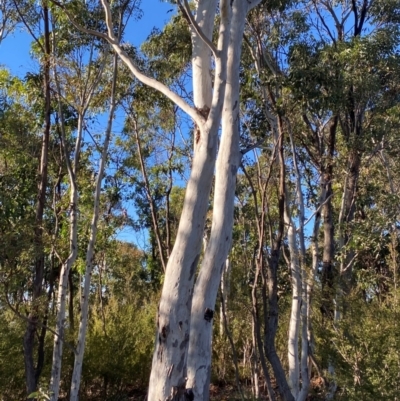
(317, 95)
(22, 120)
(32, 16)
(86, 78)
(219, 242)
(353, 91)
(89, 262)
(169, 362)
(88, 94)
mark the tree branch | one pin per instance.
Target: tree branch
(40, 324)
(151, 82)
(185, 9)
(316, 211)
(21, 15)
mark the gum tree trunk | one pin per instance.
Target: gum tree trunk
(219, 243)
(65, 278)
(169, 369)
(80, 347)
(67, 265)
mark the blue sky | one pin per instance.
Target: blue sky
(15, 49)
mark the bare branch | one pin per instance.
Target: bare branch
(185, 9)
(252, 146)
(40, 324)
(316, 211)
(109, 23)
(21, 15)
(151, 82)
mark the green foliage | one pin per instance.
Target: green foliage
(169, 51)
(40, 395)
(12, 377)
(364, 348)
(121, 334)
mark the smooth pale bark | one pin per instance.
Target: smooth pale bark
(304, 310)
(219, 243)
(294, 323)
(255, 372)
(169, 370)
(67, 265)
(225, 289)
(201, 60)
(168, 374)
(80, 348)
(85, 98)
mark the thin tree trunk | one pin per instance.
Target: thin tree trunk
(314, 266)
(150, 199)
(225, 288)
(32, 374)
(294, 322)
(255, 371)
(80, 348)
(65, 274)
(43, 331)
(257, 341)
(234, 353)
(304, 309)
(67, 265)
(271, 324)
(71, 316)
(328, 273)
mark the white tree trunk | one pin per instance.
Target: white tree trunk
(255, 371)
(168, 374)
(89, 86)
(294, 324)
(219, 243)
(62, 293)
(201, 60)
(225, 289)
(67, 265)
(80, 348)
(304, 281)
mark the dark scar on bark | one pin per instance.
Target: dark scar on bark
(204, 112)
(165, 331)
(189, 395)
(193, 267)
(185, 342)
(208, 314)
